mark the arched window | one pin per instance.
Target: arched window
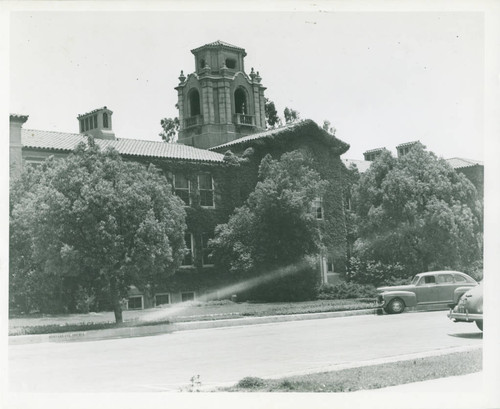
(104, 120)
(231, 63)
(240, 101)
(194, 102)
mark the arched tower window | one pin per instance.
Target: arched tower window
(240, 101)
(194, 102)
(230, 63)
(104, 120)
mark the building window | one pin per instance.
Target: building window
(161, 299)
(182, 188)
(194, 102)
(206, 252)
(206, 188)
(317, 208)
(202, 63)
(329, 264)
(231, 63)
(135, 303)
(240, 101)
(82, 126)
(95, 121)
(188, 257)
(105, 120)
(188, 296)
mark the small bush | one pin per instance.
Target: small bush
(251, 382)
(375, 272)
(345, 290)
(288, 385)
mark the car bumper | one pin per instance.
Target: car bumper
(464, 316)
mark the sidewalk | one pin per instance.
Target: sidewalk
(452, 384)
(140, 331)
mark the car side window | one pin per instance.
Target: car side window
(459, 279)
(444, 279)
(429, 280)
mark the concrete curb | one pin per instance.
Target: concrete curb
(129, 332)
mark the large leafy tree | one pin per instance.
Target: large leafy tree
(92, 222)
(275, 228)
(413, 214)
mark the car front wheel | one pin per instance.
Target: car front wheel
(479, 325)
(395, 306)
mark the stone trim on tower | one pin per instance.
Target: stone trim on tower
(231, 102)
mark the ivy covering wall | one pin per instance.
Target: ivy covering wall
(235, 178)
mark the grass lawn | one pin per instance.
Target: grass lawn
(369, 377)
(182, 312)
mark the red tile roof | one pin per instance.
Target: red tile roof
(289, 129)
(219, 44)
(61, 141)
(457, 163)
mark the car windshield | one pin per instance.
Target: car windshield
(415, 280)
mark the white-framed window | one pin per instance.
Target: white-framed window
(206, 188)
(206, 252)
(162, 298)
(135, 302)
(188, 257)
(182, 188)
(317, 208)
(187, 296)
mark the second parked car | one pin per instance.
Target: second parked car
(439, 289)
(470, 307)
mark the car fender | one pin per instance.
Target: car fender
(409, 298)
(457, 294)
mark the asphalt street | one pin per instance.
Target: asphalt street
(225, 355)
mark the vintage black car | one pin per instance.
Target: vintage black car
(470, 307)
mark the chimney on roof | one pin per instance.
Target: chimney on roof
(16, 145)
(404, 148)
(372, 154)
(97, 123)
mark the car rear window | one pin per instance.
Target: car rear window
(459, 279)
(444, 278)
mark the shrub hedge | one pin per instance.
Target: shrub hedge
(345, 290)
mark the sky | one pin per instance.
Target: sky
(381, 78)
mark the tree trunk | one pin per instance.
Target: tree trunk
(117, 306)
